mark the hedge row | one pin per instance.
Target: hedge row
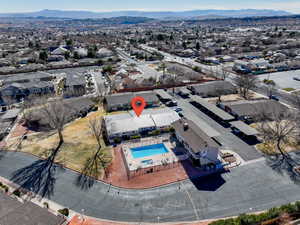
(251, 219)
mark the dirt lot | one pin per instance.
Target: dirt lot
(234, 97)
(270, 147)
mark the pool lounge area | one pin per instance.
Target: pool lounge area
(148, 157)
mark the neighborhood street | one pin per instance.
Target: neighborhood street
(252, 187)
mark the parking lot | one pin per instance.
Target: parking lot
(283, 79)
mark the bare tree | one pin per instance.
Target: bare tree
(95, 125)
(245, 83)
(56, 113)
(280, 131)
(224, 73)
(50, 112)
(219, 92)
(98, 162)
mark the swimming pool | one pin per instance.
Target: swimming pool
(148, 150)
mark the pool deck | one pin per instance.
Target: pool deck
(118, 174)
(134, 164)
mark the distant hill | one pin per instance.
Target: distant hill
(156, 15)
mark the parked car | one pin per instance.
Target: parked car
(274, 97)
(296, 78)
(178, 110)
(180, 114)
(171, 103)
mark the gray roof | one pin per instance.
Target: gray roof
(163, 94)
(194, 136)
(29, 85)
(208, 89)
(72, 79)
(26, 77)
(4, 126)
(213, 108)
(13, 212)
(74, 106)
(10, 114)
(245, 128)
(256, 107)
(121, 99)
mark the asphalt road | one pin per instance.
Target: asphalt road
(147, 72)
(248, 188)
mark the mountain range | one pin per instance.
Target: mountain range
(155, 14)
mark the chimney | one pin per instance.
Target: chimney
(185, 126)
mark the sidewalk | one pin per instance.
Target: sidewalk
(79, 220)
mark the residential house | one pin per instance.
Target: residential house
(127, 125)
(209, 89)
(251, 110)
(17, 91)
(122, 101)
(204, 150)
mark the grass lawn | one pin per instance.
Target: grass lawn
(79, 144)
(289, 89)
(270, 148)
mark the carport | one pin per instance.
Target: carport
(224, 116)
(163, 95)
(244, 128)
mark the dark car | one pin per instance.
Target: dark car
(296, 78)
(180, 114)
(171, 103)
(274, 97)
(178, 110)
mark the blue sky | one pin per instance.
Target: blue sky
(149, 5)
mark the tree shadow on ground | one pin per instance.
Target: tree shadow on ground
(2, 153)
(93, 167)
(40, 176)
(286, 164)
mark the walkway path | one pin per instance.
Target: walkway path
(252, 187)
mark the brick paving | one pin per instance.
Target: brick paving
(19, 131)
(117, 174)
(78, 220)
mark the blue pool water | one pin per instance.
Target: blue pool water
(148, 150)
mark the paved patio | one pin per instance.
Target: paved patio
(118, 175)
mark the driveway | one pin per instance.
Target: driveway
(248, 188)
(224, 135)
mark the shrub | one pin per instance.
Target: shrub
(4, 187)
(64, 211)
(269, 217)
(17, 193)
(155, 132)
(46, 205)
(117, 140)
(135, 137)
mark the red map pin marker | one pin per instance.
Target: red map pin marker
(138, 104)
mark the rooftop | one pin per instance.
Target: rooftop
(196, 138)
(13, 212)
(212, 108)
